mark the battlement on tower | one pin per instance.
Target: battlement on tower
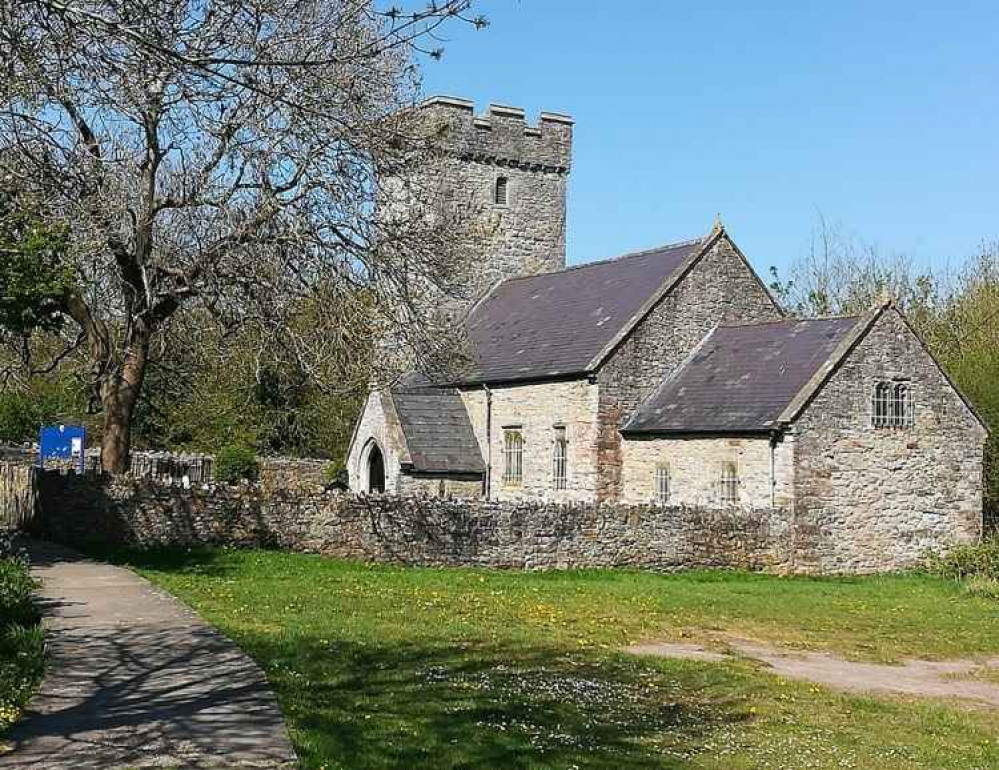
(502, 135)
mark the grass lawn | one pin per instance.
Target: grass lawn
(21, 643)
(387, 667)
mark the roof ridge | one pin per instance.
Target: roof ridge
(785, 320)
(608, 260)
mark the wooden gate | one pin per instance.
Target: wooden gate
(18, 494)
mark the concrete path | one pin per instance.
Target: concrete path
(137, 680)
(926, 678)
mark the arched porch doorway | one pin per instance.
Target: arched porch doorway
(376, 470)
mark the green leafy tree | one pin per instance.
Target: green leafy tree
(34, 277)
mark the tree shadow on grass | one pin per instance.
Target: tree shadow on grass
(211, 562)
(357, 701)
(396, 705)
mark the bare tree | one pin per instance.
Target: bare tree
(229, 154)
(839, 274)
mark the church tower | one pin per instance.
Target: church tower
(516, 176)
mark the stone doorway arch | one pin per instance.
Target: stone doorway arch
(375, 470)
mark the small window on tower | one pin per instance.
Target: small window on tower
(501, 197)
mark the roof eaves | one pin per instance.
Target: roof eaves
(824, 372)
(649, 305)
(714, 432)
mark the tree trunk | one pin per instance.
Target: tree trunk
(119, 395)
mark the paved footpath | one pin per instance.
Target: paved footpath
(137, 680)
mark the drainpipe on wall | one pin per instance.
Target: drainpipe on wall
(487, 481)
(773, 469)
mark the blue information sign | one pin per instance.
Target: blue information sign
(63, 442)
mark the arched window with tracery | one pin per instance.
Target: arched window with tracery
(892, 405)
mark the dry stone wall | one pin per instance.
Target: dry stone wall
(431, 531)
(435, 531)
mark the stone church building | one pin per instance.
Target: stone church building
(666, 377)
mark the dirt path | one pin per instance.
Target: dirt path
(136, 680)
(935, 679)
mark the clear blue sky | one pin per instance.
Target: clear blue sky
(882, 115)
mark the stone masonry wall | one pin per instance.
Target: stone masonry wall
(720, 288)
(378, 423)
(537, 409)
(695, 470)
(527, 234)
(434, 532)
(876, 498)
(438, 485)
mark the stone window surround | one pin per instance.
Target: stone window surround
(729, 482)
(513, 456)
(662, 484)
(892, 405)
(501, 191)
(560, 457)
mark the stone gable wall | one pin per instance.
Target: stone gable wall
(537, 409)
(875, 498)
(377, 423)
(720, 288)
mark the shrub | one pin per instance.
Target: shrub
(983, 587)
(980, 560)
(21, 641)
(337, 477)
(16, 607)
(235, 463)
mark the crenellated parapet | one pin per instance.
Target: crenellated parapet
(502, 135)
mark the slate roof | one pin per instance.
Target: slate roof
(556, 324)
(740, 378)
(437, 429)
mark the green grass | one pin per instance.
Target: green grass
(21, 642)
(386, 667)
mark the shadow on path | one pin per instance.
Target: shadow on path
(136, 680)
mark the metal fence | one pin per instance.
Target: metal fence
(171, 468)
(183, 468)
